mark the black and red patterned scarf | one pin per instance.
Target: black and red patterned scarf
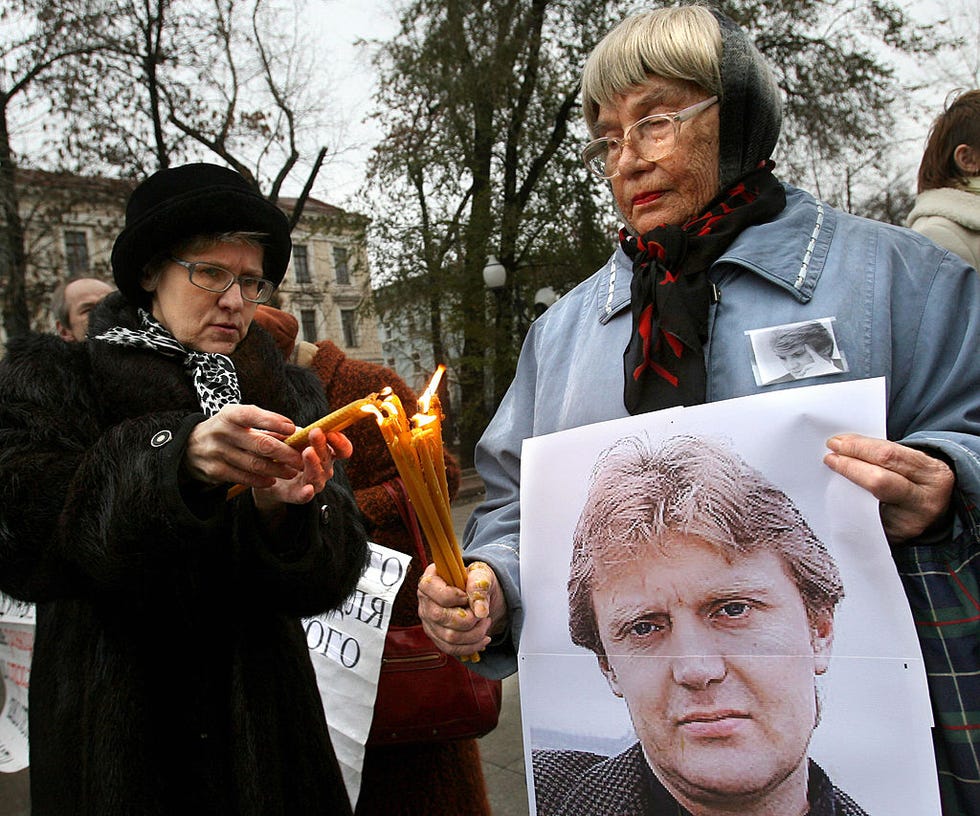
(670, 292)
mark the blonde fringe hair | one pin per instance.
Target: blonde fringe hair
(682, 42)
(199, 243)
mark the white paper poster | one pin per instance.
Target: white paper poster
(728, 656)
(16, 648)
(346, 647)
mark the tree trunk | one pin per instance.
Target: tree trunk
(13, 258)
(475, 412)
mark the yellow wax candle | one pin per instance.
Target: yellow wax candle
(429, 494)
(410, 471)
(422, 441)
(334, 421)
(395, 412)
(435, 410)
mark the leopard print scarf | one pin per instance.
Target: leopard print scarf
(213, 376)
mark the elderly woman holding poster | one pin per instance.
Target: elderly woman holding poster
(171, 672)
(684, 116)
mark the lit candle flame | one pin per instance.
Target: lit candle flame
(425, 400)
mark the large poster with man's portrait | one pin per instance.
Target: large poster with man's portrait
(713, 620)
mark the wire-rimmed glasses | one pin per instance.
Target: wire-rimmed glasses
(651, 138)
(214, 278)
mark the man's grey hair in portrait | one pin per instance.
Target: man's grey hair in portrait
(689, 485)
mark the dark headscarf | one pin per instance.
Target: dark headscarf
(664, 361)
(751, 107)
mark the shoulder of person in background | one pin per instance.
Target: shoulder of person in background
(947, 207)
(951, 218)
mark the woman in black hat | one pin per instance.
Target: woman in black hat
(171, 672)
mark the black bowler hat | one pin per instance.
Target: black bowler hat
(179, 203)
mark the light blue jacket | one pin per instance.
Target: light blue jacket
(905, 309)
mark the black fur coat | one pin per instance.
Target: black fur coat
(170, 673)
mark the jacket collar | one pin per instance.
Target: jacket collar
(959, 206)
(790, 252)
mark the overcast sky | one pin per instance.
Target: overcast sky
(339, 23)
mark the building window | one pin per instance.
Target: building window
(340, 265)
(307, 317)
(76, 253)
(348, 322)
(301, 264)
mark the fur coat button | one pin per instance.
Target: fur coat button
(160, 438)
(324, 513)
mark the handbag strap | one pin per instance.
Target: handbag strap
(399, 496)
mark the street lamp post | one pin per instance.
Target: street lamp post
(494, 274)
(544, 298)
(495, 279)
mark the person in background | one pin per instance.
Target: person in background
(433, 778)
(684, 116)
(171, 672)
(71, 303)
(947, 208)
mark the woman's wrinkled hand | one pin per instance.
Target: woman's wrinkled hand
(461, 623)
(243, 444)
(321, 451)
(914, 488)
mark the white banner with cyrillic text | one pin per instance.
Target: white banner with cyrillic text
(346, 647)
(16, 648)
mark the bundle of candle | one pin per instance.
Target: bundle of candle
(416, 447)
(334, 421)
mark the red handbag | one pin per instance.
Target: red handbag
(423, 694)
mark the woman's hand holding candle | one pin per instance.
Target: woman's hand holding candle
(241, 443)
(462, 623)
(334, 421)
(318, 458)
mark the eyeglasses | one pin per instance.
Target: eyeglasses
(215, 278)
(651, 138)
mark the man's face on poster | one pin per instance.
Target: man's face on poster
(716, 658)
